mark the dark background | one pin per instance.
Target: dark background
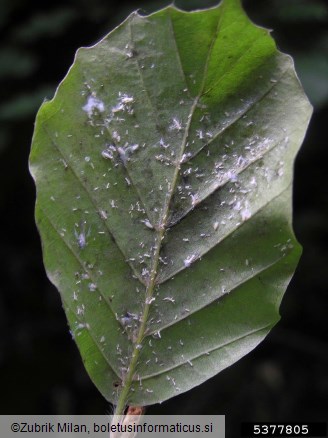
(286, 377)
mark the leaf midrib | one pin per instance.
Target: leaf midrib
(159, 237)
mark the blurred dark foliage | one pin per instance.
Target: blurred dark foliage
(286, 377)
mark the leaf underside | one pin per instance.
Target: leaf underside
(163, 168)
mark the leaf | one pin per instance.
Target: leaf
(163, 168)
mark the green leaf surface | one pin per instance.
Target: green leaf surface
(163, 168)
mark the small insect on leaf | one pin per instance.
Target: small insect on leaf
(81, 234)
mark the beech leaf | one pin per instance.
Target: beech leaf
(164, 169)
